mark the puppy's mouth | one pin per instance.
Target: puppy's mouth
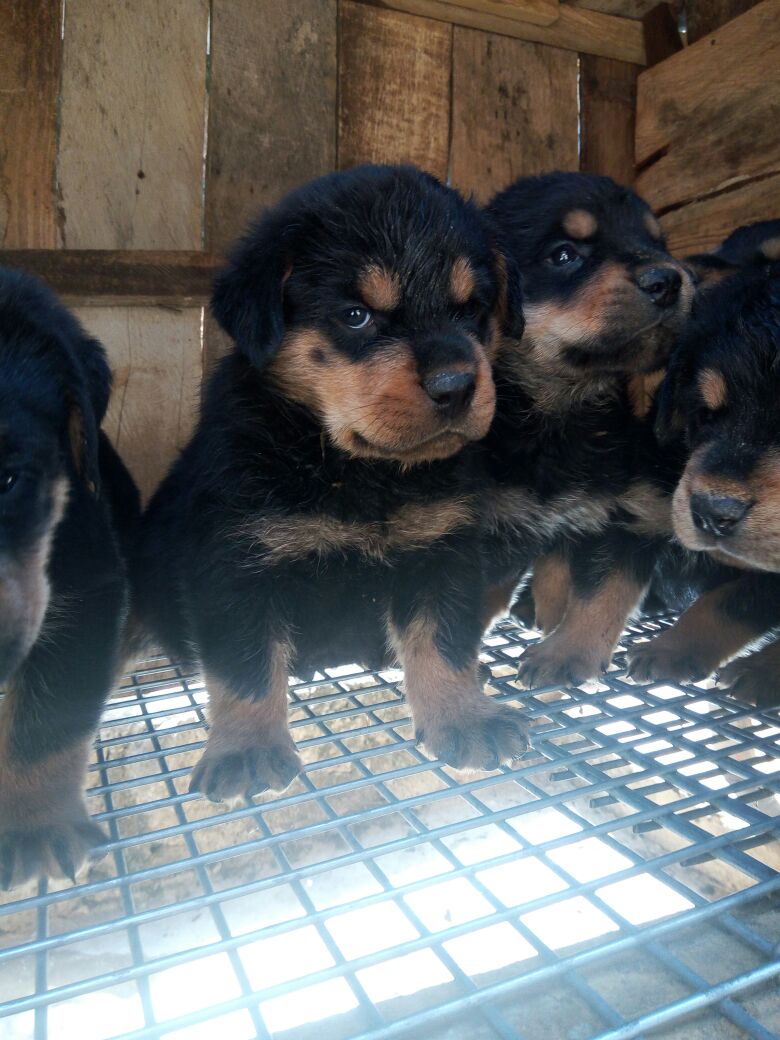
(439, 446)
(645, 349)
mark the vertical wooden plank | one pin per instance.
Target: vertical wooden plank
(514, 111)
(394, 88)
(705, 16)
(30, 55)
(608, 109)
(132, 124)
(155, 357)
(272, 106)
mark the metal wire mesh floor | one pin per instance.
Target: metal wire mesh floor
(621, 880)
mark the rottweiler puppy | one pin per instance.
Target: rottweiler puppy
(326, 506)
(64, 495)
(603, 303)
(720, 399)
(750, 246)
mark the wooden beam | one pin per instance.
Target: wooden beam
(608, 91)
(588, 32)
(105, 277)
(537, 12)
(707, 117)
(705, 16)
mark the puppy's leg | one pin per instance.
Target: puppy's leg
(551, 589)
(47, 720)
(754, 679)
(718, 625)
(249, 748)
(608, 577)
(435, 627)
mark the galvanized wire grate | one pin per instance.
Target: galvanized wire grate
(620, 880)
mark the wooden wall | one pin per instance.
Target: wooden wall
(708, 128)
(159, 127)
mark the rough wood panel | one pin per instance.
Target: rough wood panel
(608, 90)
(589, 32)
(538, 12)
(702, 225)
(623, 8)
(711, 112)
(514, 111)
(705, 16)
(155, 356)
(135, 277)
(132, 124)
(394, 88)
(662, 34)
(30, 54)
(272, 106)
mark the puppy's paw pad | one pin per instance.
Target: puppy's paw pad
(236, 775)
(486, 738)
(751, 682)
(54, 850)
(546, 664)
(682, 664)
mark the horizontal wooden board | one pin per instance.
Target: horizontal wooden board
(394, 88)
(132, 124)
(129, 277)
(537, 12)
(514, 111)
(589, 32)
(707, 117)
(701, 226)
(155, 356)
(622, 8)
(705, 16)
(30, 54)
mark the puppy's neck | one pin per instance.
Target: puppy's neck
(553, 387)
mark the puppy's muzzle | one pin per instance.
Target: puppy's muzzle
(451, 392)
(718, 515)
(661, 283)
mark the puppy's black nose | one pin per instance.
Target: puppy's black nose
(451, 392)
(719, 515)
(662, 284)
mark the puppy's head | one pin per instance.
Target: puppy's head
(752, 246)
(722, 396)
(54, 387)
(367, 297)
(600, 292)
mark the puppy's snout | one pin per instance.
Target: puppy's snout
(451, 392)
(661, 283)
(718, 515)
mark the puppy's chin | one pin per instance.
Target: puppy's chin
(440, 446)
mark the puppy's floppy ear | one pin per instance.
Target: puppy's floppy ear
(510, 296)
(669, 422)
(248, 294)
(88, 392)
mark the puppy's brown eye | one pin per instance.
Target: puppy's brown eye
(7, 480)
(563, 255)
(356, 317)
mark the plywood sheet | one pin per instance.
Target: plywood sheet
(155, 356)
(394, 88)
(30, 52)
(707, 117)
(133, 124)
(514, 111)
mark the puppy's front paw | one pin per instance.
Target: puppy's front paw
(48, 849)
(482, 735)
(754, 679)
(235, 775)
(667, 657)
(555, 662)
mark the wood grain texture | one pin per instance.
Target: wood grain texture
(155, 356)
(705, 16)
(701, 226)
(589, 32)
(537, 12)
(394, 88)
(272, 107)
(608, 92)
(132, 124)
(711, 112)
(622, 8)
(514, 111)
(136, 277)
(30, 54)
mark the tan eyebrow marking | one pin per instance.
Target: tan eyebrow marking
(380, 289)
(713, 388)
(579, 223)
(462, 280)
